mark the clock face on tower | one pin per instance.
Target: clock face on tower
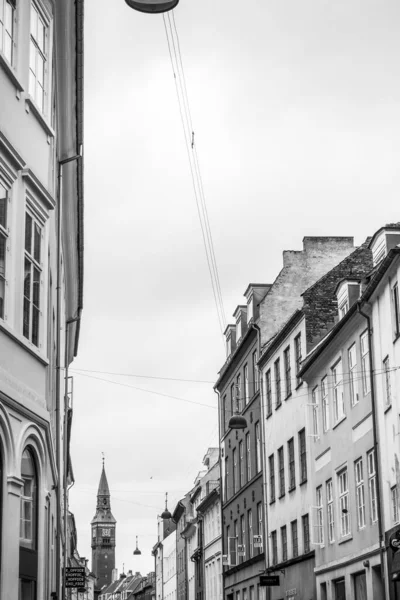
(106, 532)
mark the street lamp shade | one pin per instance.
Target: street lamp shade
(152, 6)
(237, 422)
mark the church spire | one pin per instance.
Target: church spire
(103, 485)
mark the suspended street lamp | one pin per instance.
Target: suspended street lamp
(166, 514)
(136, 552)
(237, 421)
(152, 6)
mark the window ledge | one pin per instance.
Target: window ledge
(348, 538)
(339, 421)
(282, 496)
(288, 396)
(272, 502)
(278, 406)
(10, 72)
(299, 384)
(24, 342)
(396, 337)
(269, 415)
(303, 482)
(388, 408)
(292, 489)
(32, 106)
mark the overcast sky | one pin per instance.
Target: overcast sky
(295, 106)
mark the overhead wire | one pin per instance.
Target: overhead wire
(186, 121)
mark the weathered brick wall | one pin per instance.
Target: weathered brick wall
(301, 269)
(320, 303)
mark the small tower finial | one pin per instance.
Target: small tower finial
(103, 458)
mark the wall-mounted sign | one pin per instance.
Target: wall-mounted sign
(257, 541)
(241, 550)
(225, 560)
(75, 577)
(394, 542)
(269, 580)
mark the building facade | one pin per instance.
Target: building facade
(41, 284)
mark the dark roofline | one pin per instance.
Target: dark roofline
(208, 500)
(178, 512)
(195, 494)
(277, 339)
(371, 287)
(231, 359)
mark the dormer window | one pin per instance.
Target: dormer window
(383, 241)
(250, 308)
(241, 322)
(238, 328)
(230, 337)
(347, 293)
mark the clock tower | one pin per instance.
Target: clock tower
(103, 535)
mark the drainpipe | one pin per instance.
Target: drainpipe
(61, 163)
(263, 455)
(221, 492)
(377, 455)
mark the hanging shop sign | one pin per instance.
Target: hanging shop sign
(269, 580)
(394, 542)
(241, 550)
(152, 6)
(257, 541)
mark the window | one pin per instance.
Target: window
(292, 472)
(274, 548)
(277, 369)
(396, 309)
(268, 392)
(242, 535)
(372, 485)
(295, 539)
(223, 417)
(331, 519)
(303, 456)
(344, 507)
(226, 478)
(281, 468)
(250, 533)
(241, 465)
(33, 237)
(284, 543)
(233, 400)
(239, 395)
(246, 384)
(38, 57)
(248, 452)
(338, 402)
(288, 370)
(386, 382)
(297, 356)
(259, 523)
(7, 8)
(28, 528)
(320, 517)
(255, 371)
(360, 496)
(258, 447)
(395, 504)
(235, 471)
(325, 404)
(352, 357)
(365, 362)
(314, 400)
(271, 478)
(306, 533)
(343, 308)
(3, 245)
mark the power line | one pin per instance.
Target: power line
(144, 390)
(183, 101)
(141, 376)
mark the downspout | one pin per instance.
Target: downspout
(263, 455)
(376, 452)
(221, 494)
(61, 163)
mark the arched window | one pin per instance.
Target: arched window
(28, 529)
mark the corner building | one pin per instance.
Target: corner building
(103, 536)
(41, 283)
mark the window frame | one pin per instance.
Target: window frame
(274, 547)
(387, 384)
(278, 391)
(248, 456)
(284, 543)
(295, 538)
(330, 511)
(5, 23)
(394, 498)
(344, 502)
(372, 485)
(281, 471)
(325, 403)
(352, 361)
(241, 465)
(271, 468)
(268, 392)
(314, 403)
(246, 384)
(305, 520)
(360, 493)
(44, 53)
(292, 464)
(320, 515)
(396, 309)
(288, 372)
(302, 455)
(4, 239)
(337, 387)
(257, 435)
(365, 374)
(256, 383)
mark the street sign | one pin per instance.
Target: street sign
(75, 577)
(269, 580)
(241, 550)
(257, 541)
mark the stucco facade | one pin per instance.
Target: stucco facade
(41, 289)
